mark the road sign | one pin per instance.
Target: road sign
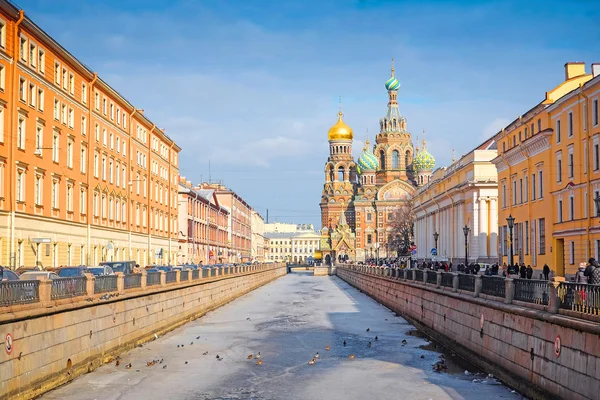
(8, 343)
(557, 346)
(434, 252)
(414, 252)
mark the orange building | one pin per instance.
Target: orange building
(549, 175)
(84, 175)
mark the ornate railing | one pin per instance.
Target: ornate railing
(19, 292)
(493, 286)
(184, 275)
(171, 276)
(531, 291)
(431, 277)
(153, 278)
(195, 274)
(447, 279)
(205, 273)
(418, 275)
(466, 282)
(105, 283)
(133, 281)
(579, 297)
(63, 288)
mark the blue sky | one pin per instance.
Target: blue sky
(254, 85)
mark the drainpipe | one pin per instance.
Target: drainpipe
(12, 162)
(89, 197)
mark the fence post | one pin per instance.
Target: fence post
(478, 285)
(509, 290)
(425, 271)
(89, 284)
(144, 280)
(438, 282)
(455, 282)
(553, 299)
(45, 289)
(177, 276)
(405, 274)
(163, 278)
(120, 282)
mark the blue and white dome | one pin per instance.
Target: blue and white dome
(367, 161)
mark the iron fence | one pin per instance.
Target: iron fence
(579, 297)
(153, 278)
(171, 276)
(431, 277)
(105, 283)
(531, 291)
(205, 273)
(184, 275)
(68, 287)
(133, 281)
(447, 279)
(493, 286)
(466, 282)
(418, 275)
(195, 274)
(19, 292)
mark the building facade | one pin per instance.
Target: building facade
(359, 198)
(258, 237)
(203, 222)
(549, 175)
(463, 194)
(85, 176)
(294, 243)
(239, 224)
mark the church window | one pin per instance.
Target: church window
(368, 216)
(382, 162)
(395, 159)
(341, 174)
(369, 239)
(407, 159)
(394, 122)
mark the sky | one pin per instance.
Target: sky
(250, 88)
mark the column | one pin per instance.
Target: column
(493, 227)
(474, 240)
(483, 227)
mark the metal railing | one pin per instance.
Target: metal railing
(205, 273)
(171, 276)
(195, 274)
(133, 281)
(418, 275)
(493, 286)
(184, 275)
(531, 291)
(63, 288)
(152, 278)
(447, 279)
(579, 297)
(19, 292)
(431, 277)
(466, 282)
(105, 283)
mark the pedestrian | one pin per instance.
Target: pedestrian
(523, 271)
(580, 274)
(592, 264)
(546, 271)
(529, 272)
(595, 278)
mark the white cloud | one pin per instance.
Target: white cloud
(261, 152)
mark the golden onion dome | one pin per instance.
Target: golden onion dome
(340, 131)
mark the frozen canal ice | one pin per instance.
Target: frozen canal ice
(288, 321)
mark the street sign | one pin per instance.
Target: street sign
(434, 252)
(557, 346)
(414, 252)
(8, 343)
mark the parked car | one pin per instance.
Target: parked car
(33, 275)
(70, 272)
(101, 270)
(8, 275)
(126, 267)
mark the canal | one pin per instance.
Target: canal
(288, 321)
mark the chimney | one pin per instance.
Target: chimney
(574, 69)
(595, 69)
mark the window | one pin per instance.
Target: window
(595, 112)
(118, 115)
(596, 194)
(55, 148)
(118, 147)
(571, 165)
(558, 131)
(69, 197)
(97, 132)
(395, 158)
(596, 158)
(22, 90)
(558, 169)
(32, 94)
(20, 185)
(369, 239)
(70, 154)
(570, 127)
(539, 124)
(111, 141)
(124, 150)
(541, 183)
(2, 77)
(96, 100)
(124, 179)
(526, 237)
(41, 61)
(542, 233)
(571, 208)
(572, 252)
(520, 191)
(118, 174)
(2, 34)
(39, 140)
(368, 216)
(526, 192)
(560, 211)
(21, 133)
(104, 137)
(514, 192)
(82, 201)
(63, 113)
(71, 84)
(55, 193)
(83, 125)
(104, 106)
(71, 118)
(23, 49)
(57, 73)
(83, 161)
(103, 168)
(1, 124)
(83, 93)
(32, 54)
(95, 165)
(110, 171)
(39, 186)
(124, 120)
(40, 104)
(112, 111)
(56, 109)
(65, 78)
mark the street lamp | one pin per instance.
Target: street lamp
(436, 237)
(511, 224)
(597, 201)
(466, 231)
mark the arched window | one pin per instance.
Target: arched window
(341, 174)
(394, 122)
(395, 159)
(331, 177)
(382, 159)
(407, 159)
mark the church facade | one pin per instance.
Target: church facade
(359, 197)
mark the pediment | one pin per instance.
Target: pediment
(395, 190)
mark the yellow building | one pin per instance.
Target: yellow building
(549, 174)
(463, 194)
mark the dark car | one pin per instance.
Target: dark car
(69, 272)
(126, 267)
(8, 275)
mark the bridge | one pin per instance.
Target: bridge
(163, 339)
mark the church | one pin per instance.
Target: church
(359, 197)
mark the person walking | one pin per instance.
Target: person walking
(523, 271)
(580, 274)
(592, 265)
(595, 278)
(546, 271)
(529, 272)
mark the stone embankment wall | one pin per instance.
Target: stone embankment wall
(513, 342)
(54, 344)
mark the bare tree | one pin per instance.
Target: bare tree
(402, 224)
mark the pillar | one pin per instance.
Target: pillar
(483, 227)
(493, 227)
(474, 239)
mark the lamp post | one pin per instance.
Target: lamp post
(511, 224)
(435, 238)
(466, 231)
